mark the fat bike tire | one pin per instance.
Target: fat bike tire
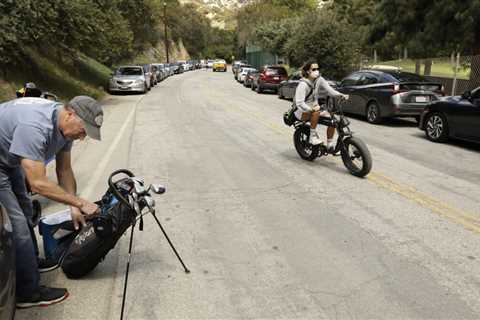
(304, 149)
(356, 157)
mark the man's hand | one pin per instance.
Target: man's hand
(77, 217)
(89, 208)
(80, 214)
(345, 96)
(316, 108)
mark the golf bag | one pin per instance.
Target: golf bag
(80, 251)
(93, 242)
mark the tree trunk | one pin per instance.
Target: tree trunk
(405, 53)
(418, 66)
(428, 67)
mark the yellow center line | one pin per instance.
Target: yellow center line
(468, 220)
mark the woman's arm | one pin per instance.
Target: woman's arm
(300, 95)
(323, 84)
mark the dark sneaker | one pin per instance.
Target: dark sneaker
(45, 265)
(44, 297)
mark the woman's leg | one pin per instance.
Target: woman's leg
(312, 117)
(330, 131)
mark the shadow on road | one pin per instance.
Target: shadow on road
(125, 93)
(465, 145)
(388, 122)
(319, 163)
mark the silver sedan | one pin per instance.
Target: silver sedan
(129, 78)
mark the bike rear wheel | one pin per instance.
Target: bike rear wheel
(304, 149)
(356, 157)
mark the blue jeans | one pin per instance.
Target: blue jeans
(15, 199)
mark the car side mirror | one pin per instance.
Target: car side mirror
(467, 95)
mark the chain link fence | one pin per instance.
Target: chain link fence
(457, 73)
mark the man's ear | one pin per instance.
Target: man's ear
(70, 113)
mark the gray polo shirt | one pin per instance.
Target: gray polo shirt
(29, 130)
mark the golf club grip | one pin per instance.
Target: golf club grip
(114, 189)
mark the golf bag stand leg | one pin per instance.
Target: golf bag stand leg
(170, 243)
(127, 270)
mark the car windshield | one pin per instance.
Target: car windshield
(404, 77)
(129, 71)
(276, 71)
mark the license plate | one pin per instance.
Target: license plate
(276, 78)
(125, 88)
(421, 99)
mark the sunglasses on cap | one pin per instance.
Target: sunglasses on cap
(315, 69)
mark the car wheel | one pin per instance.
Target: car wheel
(373, 113)
(280, 94)
(259, 89)
(145, 89)
(436, 127)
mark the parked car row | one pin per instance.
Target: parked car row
(381, 93)
(141, 78)
(268, 78)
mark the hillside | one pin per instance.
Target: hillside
(220, 12)
(76, 74)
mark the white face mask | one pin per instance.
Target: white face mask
(315, 74)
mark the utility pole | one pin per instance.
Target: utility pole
(165, 25)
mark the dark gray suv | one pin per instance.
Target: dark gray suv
(7, 267)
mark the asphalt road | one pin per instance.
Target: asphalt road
(268, 235)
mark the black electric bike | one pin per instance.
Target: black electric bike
(354, 152)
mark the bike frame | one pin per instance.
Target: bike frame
(336, 120)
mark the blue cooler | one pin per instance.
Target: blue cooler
(56, 229)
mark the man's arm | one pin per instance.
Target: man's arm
(35, 172)
(65, 175)
(66, 179)
(36, 175)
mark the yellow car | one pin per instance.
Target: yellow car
(220, 65)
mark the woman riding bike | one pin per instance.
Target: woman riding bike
(306, 100)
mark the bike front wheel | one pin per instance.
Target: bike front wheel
(356, 157)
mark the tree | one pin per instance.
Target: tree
(330, 42)
(272, 36)
(259, 12)
(429, 28)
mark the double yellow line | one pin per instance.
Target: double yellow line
(466, 219)
(461, 217)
